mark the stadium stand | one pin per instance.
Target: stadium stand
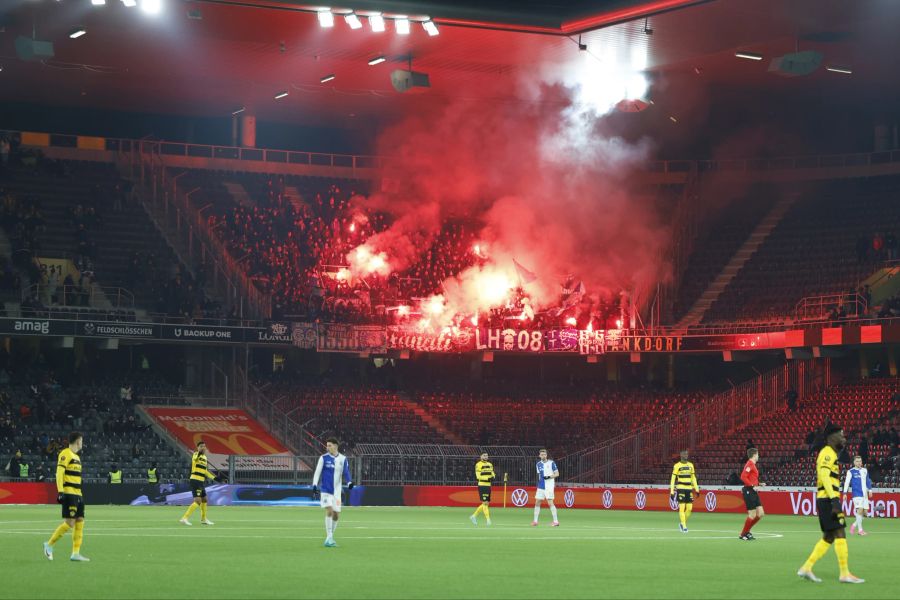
(35, 419)
(84, 212)
(355, 414)
(786, 439)
(720, 240)
(843, 228)
(562, 421)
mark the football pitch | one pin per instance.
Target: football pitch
(269, 552)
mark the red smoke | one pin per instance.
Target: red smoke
(542, 184)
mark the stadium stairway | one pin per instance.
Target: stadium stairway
(737, 262)
(239, 194)
(433, 421)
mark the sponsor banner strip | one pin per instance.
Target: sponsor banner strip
(378, 340)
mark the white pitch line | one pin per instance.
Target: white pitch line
(414, 538)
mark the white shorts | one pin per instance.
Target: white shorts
(333, 501)
(546, 493)
(860, 502)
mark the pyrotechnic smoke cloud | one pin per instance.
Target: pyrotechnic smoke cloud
(543, 182)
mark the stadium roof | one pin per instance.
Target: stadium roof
(208, 58)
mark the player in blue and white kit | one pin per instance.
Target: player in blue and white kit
(860, 484)
(546, 476)
(331, 470)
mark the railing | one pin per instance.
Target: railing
(79, 297)
(282, 425)
(171, 209)
(632, 454)
(817, 308)
(829, 161)
(273, 156)
(181, 149)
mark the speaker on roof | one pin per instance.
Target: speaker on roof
(796, 64)
(30, 49)
(405, 81)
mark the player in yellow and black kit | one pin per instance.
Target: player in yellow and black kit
(828, 504)
(199, 474)
(484, 475)
(683, 483)
(68, 487)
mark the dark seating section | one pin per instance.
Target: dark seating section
(831, 240)
(786, 439)
(36, 418)
(723, 235)
(355, 415)
(563, 422)
(85, 212)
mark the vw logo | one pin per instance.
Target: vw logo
(711, 501)
(673, 502)
(569, 498)
(519, 497)
(640, 499)
(607, 499)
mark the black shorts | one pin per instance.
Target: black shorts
(684, 496)
(484, 492)
(828, 521)
(197, 489)
(72, 507)
(751, 498)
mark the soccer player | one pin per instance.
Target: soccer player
(828, 505)
(684, 480)
(484, 475)
(68, 487)
(546, 474)
(199, 474)
(750, 477)
(860, 485)
(331, 469)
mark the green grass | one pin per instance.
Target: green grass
(262, 552)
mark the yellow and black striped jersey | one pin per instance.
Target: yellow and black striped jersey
(68, 473)
(200, 468)
(684, 477)
(484, 472)
(828, 474)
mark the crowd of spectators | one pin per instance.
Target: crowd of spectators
(36, 417)
(296, 250)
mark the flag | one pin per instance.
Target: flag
(525, 276)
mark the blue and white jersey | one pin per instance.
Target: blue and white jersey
(545, 469)
(330, 470)
(858, 481)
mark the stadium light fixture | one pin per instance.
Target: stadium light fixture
(281, 95)
(377, 61)
(151, 7)
(129, 3)
(376, 22)
(838, 69)
(748, 55)
(401, 25)
(353, 21)
(98, 2)
(77, 33)
(430, 27)
(326, 18)
(327, 78)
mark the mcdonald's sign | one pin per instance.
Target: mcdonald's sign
(225, 430)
